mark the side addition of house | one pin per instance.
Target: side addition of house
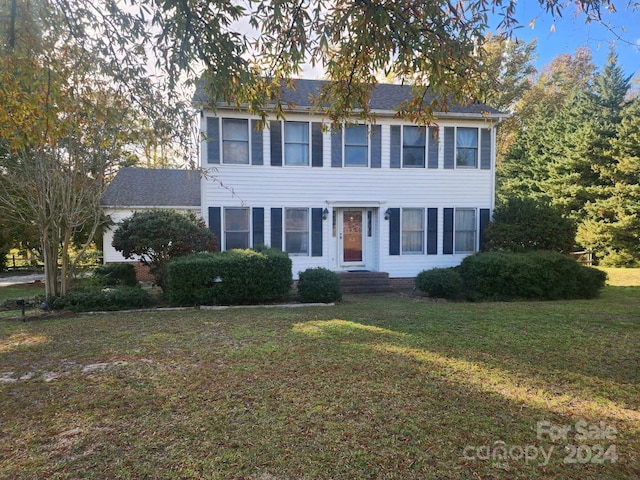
(390, 197)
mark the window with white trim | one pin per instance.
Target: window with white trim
(465, 230)
(296, 143)
(414, 144)
(296, 231)
(412, 230)
(356, 146)
(236, 228)
(235, 141)
(466, 147)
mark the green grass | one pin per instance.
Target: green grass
(622, 277)
(376, 387)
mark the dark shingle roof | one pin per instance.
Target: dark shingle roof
(144, 187)
(385, 97)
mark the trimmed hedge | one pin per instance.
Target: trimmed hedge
(540, 275)
(115, 274)
(319, 285)
(440, 283)
(232, 277)
(120, 298)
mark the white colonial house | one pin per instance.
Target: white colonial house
(390, 197)
(386, 197)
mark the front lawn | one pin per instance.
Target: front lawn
(376, 387)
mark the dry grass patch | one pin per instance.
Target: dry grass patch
(376, 387)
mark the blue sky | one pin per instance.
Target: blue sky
(570, 32)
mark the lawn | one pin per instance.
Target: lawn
(375, 387)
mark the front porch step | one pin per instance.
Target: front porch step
(365, 282)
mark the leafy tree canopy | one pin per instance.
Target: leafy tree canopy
(157, 236)
(524, 224)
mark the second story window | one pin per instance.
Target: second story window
(296, 143)
(356, 146)
(467, 147)
(414, 142)
(235, 141)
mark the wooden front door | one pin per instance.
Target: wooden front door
(352, 236)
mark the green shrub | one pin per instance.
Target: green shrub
(440, 283)
(116, 274)
(319, 285)
(230, 277)
(534, 275)
(120, 298)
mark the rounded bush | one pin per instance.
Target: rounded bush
(537, 275)
(319, 285)
(120, 298)
(232, 277)
(440, 283)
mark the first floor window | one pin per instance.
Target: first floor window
(414, 142)
(236, 228)
(296, 231)
(412, 230)
(235, 141)
(356, 146)
(465, 230)
(296, 143)
(467, 147)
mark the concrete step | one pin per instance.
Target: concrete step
(365, 282)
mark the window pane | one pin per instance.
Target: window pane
(468, 137)
(235, 129)
(296, 228)
(296, 148)
(235, 152)
(414, 142)
(414, 136)
(235, 141)
(355, 156)
(465, 235)
(236, 219)
(355, 135)
(296, 154)
(413, 230)
(466, 147)
(296, 132)
(236, 240)
(297, 242)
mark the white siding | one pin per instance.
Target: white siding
(327, 186)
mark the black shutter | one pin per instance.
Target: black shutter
(449, 147)
(432, 231)
(256, 143)
(485, 149)
(395, 146)
(336, 147)
(432, 153)
(447, 237)
(485, 218)
(213, 140)
(316, 144)
(215, 224)
(276, 143)
(394, 231)
(258, 226)
(316, 232)
(276, 228)
(376, 146)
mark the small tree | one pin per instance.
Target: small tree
(157, 236)
(524, 224)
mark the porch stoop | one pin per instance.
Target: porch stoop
(365, 282)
